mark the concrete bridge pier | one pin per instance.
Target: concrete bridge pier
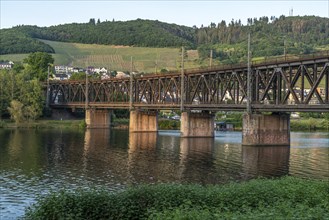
(143, 121)
(197, 124)
(261, 130)
(98, 118)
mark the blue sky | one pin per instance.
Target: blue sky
(189, 13)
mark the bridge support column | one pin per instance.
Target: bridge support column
(98, 118)
(143, 121)
(197, 124)
(264, 130)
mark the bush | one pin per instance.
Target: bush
(287, 197)
(2, 124)
(82, 124)
(169, 124)
(310, 124)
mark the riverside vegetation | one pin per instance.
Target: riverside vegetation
(284, 198)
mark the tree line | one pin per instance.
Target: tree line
(13, 41)
(21, 93)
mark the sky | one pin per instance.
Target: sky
(184, 12)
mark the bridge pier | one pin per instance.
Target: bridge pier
(197, 124)
(98, 118)
(260, 130)
(143, 121)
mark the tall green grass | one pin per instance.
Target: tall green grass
(285, 198)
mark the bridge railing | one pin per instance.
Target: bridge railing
(267, 61)
(291, 58)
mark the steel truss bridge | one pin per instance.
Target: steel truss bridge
(300, 84)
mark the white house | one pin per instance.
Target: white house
(6, 65)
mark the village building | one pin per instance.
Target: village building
(6, 65)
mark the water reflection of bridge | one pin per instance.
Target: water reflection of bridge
(266, 161)
(149, 158)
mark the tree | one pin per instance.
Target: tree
(18, 67)
(92, 21)
(78, 76)
(38, 63)
(4, 93)
(16, 111)
(33, 99)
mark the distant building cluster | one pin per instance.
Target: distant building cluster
(65, 72)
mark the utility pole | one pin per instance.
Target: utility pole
(47, 101)
(248, 79)
(87, 91)
(284, 48)
(182, 82)
(131, 84)
(156, 66)
(210, 58)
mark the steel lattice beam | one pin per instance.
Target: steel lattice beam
(298, 85)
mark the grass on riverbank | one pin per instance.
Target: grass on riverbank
(285, 198)
(44, 124)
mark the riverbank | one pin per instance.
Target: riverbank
(284, 198)
(38, 124)
(309, 124)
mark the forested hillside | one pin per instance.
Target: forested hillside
(143, 33)
(13, 42)
(269, 37)
(228, 41)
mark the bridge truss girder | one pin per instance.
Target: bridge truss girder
(289, 86)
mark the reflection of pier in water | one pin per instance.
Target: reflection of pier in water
(146, 140)
(104, 157)
(96, 142)
(266, 161)
(196, 159)
(142, 158)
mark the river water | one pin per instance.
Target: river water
(34, 162)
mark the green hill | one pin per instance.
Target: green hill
(150, 42)
(115, 57)
(141, 33)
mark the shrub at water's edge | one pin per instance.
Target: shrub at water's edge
(288, 197)
(166, 124)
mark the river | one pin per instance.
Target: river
(35, 162)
